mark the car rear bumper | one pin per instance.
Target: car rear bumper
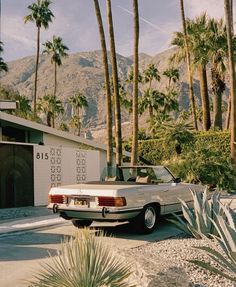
(103, 214)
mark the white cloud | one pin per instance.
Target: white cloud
(18, 39)
(76, 24)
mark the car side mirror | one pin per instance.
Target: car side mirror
(177, 180)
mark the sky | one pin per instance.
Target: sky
(75, 22)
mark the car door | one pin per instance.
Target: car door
(171, 193)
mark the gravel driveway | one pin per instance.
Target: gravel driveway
(164, 264)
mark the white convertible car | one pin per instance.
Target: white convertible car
(139, 194)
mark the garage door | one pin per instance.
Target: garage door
(16, 175)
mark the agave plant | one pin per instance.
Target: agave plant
(226, 263)
(199, 219)
(84, 261)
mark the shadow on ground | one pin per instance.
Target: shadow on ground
(26, 246)
(38, 243)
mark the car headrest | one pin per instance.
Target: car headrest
(111, 178)
(143, 179)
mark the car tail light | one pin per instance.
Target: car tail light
(56, 198)
(111, 201)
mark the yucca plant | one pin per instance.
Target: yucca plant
(226, 263)
(84, 261)
(199, 218)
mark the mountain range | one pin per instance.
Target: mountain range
(84, 72)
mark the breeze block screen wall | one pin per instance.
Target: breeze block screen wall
(56, 166)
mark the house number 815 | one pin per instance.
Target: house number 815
(42, 155)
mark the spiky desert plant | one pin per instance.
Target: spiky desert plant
(226, 264)
(199, 218)
(84, 261)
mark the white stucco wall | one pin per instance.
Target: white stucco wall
(56, 166)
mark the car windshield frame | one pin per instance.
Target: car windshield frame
(156, 174)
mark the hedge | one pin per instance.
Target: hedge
(156, 150)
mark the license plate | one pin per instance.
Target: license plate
(80, 202)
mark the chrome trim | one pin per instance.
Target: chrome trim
(61, 208)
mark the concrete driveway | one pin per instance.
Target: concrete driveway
(22, 253)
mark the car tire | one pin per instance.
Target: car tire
(81, 223)
(147, 220)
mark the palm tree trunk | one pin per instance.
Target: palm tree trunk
(190, 77)
(55, 80)
(107, 87)
(49, 119)
(54, 93)
(118, 136)
(227, 122)
(204, 98)
(36, 72)
(134, 153)
(217, 110)
(151, 113)
(79, 122)
(232, 81)
(218, 86)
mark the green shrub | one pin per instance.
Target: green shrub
(84, 261)
(218, 141)
(204, 157)
(205, 166)
(157, 150)
(199, 218)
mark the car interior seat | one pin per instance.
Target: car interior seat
(143, 179)
(111, 178)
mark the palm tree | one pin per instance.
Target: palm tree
(228, 21)
(64, 127)
(172, 74)
(217, 44)
(42, 16)
(107, 86)
(126, 89)
(170, 101)
(125, 102)
(51, 107)
(134, 152)
(151, 73)
(57, 49)
(130, 77)
(152, 100)
(157, 122)
(74, 124)
(227, 123)
(78, 102)
(188, 59)
(199, 32)
(178, 132)
(23, 108)
(3, 65)
(118, 135)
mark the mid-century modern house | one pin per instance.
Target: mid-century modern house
(35, 157)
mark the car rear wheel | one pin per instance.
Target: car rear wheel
(81, 223)
(147, 221)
